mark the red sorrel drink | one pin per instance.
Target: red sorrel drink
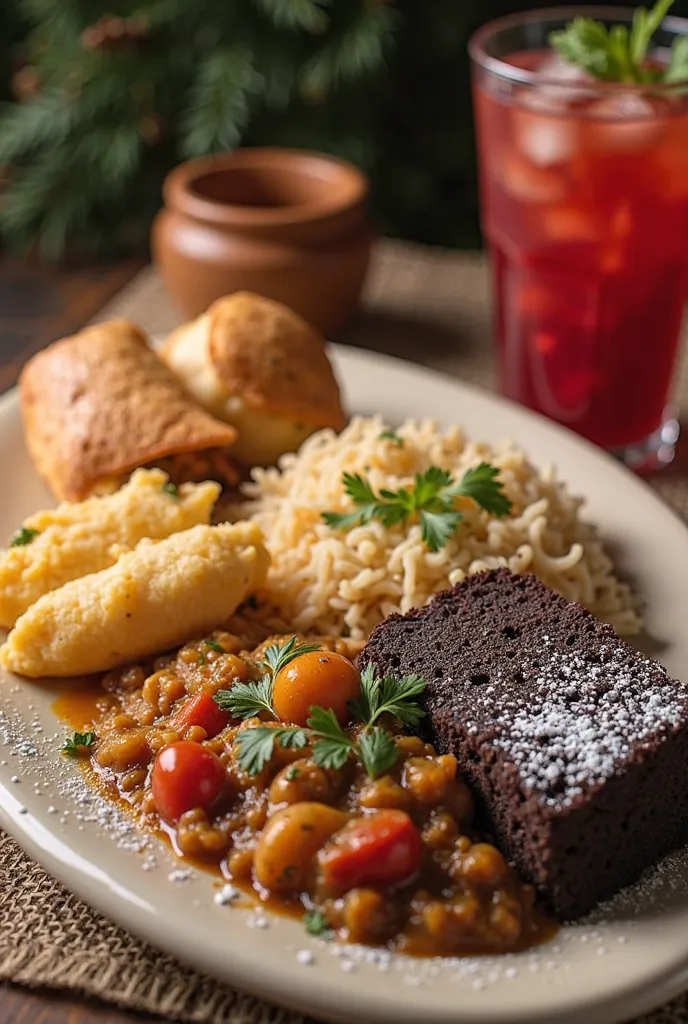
(585, 209)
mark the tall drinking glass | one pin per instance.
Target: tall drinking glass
(585, 210)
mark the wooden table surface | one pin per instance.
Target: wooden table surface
(38, 305)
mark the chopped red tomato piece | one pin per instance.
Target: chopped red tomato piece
(185, 775)
(201, 710)
(380, 850)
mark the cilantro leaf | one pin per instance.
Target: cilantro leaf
(332, 744)
(436, 528)
(171, 489)
(358, 489)
(23, 537)
(78, 744)
(394, 695)
(378, 751)
(246, 700)
(257, 745)
(429, 484)
(483, 486)
(279, 655)
(316, 923)
(365, 706)
(431, 498)
(391, 435)
(341, 520)
(214, 645)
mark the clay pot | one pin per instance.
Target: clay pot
(285, 223)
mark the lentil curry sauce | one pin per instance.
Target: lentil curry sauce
(393, 860)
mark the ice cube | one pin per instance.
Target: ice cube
(543, 134)
(562, 81)
(625, 121)
(525, 181)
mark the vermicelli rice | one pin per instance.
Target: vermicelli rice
(343, 583)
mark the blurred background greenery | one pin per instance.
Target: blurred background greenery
(100, 99)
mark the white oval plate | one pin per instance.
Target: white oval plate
(630, 958)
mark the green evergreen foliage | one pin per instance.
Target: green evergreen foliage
(124, 90)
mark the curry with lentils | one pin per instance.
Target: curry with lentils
(300, 781)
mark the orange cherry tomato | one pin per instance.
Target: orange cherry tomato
(201, 710)
(382, 849)
(317, 678)
(185, 775)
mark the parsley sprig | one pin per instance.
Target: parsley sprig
(23, 537)
(391, 435)
(170, 489)
(431, 498)
(316, 923)
(215, 645)
(78, 744)
(618, 54)
(246, 700)
(330, 744)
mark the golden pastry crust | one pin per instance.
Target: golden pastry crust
(275, 361)
(100, 403)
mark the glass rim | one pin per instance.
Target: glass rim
(522, 76)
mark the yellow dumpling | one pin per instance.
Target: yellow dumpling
(153, 599)
(76, 539)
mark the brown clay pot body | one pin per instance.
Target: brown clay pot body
(288, 224)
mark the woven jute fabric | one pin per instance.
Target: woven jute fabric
(428, 306)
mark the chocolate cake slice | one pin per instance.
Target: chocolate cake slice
(575, 745)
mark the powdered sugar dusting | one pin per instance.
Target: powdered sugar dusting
(584, 716)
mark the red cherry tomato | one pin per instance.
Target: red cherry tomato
(185, 775)
(201, 710)
(380, 850)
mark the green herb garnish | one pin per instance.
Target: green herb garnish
(246, 700)
(215, 646)
(618, 54)
(23, 537)
(279, 655)
(431, 497)
(256, 745)
(293, 773)
(171, 489)
(391, 435)
(331, 746)
(316, 923)
(79, 744)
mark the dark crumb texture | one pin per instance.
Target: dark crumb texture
(575, 744)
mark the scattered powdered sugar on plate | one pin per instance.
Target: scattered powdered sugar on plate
(180, 875)
(36, 762)
(95, 810)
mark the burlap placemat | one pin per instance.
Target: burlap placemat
(424, 305)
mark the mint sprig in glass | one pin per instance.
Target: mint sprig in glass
(582, 117)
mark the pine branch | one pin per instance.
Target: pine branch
(357, 51)
(220, 101)
(55, 19)
(42, 201)
(26, 127)
(305, 15)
